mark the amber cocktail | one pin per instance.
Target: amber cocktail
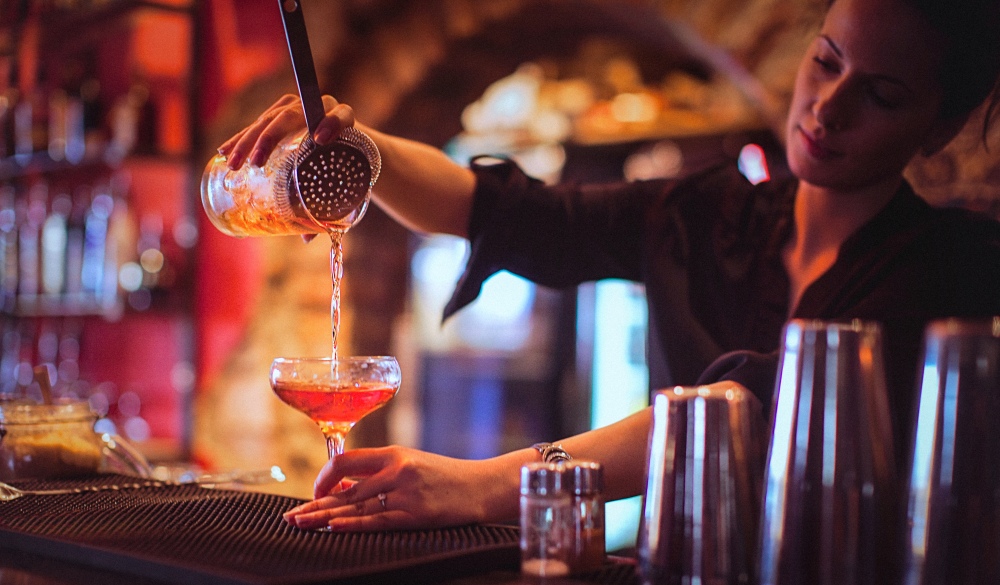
(335, 393)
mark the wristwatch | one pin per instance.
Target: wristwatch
(551, 452)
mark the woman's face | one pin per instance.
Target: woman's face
(866, 96)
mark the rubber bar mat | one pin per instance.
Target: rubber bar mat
(190, 534)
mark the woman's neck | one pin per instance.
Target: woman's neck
(826, 217)
(823, 219)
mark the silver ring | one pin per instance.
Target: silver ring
(381, 500)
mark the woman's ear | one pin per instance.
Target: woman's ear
(942, 133)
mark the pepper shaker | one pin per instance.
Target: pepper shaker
(585, 481)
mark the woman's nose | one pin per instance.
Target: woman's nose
(834, 107)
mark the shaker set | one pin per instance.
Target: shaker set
(821, 502)
(562, 518)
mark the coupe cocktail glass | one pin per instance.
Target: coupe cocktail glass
(335, 393)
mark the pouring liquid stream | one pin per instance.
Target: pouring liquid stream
(336, 273)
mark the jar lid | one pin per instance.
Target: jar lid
(14, 413)
(584, 478)
(542, 479)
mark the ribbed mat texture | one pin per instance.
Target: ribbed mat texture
(187, 533)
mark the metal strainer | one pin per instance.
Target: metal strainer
(330, 183)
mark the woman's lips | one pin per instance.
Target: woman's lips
(817, 148)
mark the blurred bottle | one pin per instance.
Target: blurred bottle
(29, 244)
(143, 115)
(58, 104)
(94, 132)
(66, 117)
(8, 249)
(18, 119)
(31, 120)
(121, 238)
(9, 96)
(126, 117)
(54, 236)
(92, 274)
(10, 354)
(75, 228)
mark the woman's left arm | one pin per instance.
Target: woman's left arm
(399, 488)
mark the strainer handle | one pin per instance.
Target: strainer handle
(302, 62)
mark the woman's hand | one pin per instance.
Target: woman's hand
(284, 117)
(418, 185)
(399, 488)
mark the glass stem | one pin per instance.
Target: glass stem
(335, 444)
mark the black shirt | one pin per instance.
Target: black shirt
(708, 250)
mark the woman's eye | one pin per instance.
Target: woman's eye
(884, 97)
(825, 65)
(882, 101)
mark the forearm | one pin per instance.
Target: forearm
(619, 447)
(421, 187)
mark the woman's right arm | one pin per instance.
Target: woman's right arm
(418, 185)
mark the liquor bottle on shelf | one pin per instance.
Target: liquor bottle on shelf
(19, 120)
(31, 121)
(58, 104)
(29, 244)
(132, 122)
(92, 273)
(75, 228)
(8, 249)
(75, 123)
(10, 356)
(121, 240)
(94, 132)
(9, 96)
(54, 236)
(66, 121)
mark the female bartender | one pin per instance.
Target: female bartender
(725, 263)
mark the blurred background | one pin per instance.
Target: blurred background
(111, 275)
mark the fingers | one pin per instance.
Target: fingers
(238, 148)
(354, 463)
(338, 117)
(368, 513)
(255, 143)
(374, 523)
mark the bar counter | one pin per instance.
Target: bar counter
(148, 532)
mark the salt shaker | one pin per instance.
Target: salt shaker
(546, 521)
(585, 481)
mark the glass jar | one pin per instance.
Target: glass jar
(48, 441)
(546, 521)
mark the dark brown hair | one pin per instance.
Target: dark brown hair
(970, 64)
(971, 61)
